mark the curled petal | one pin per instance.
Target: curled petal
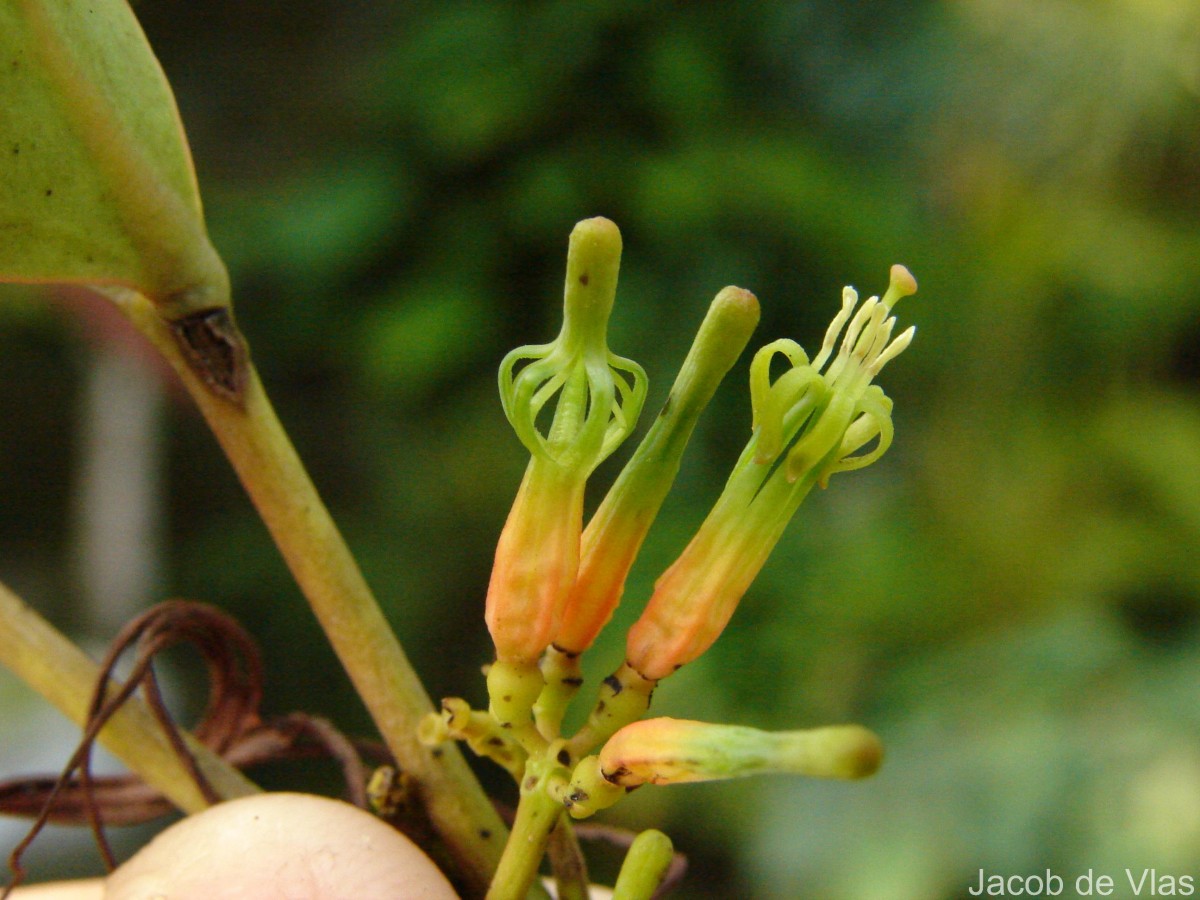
(777, 413)
(630, 382)
(760, 372)
(875, 422)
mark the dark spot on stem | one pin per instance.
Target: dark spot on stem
(564, 756)
(436, 753)
(49, 192)
(495, 742)
(573, 682)
(583, 279)
(485, 833)
(215, 350)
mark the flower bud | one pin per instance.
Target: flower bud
(673, 751)
(646, 865)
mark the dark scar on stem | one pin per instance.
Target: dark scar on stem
(215, 350)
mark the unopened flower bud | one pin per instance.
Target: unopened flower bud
(673, 751)
(646, 865)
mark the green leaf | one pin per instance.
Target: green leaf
(96, 180)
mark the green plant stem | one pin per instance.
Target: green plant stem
(267, 464)
(52, 665)
(537, 814)
(645, 866)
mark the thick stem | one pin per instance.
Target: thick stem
(267, 464)
(48, 662)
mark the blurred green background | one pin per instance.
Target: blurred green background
(1011, 597)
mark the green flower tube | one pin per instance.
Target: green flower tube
(597, 397)
(809, 423)
(675, 751)
(614, 535)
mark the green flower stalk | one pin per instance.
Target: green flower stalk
(598, 397)
(809, 423)
(624, 697)
(676, 751)
(477, 730)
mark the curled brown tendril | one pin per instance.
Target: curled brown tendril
(230, 726)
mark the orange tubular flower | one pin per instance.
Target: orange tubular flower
(597, 399)
(808, 424)
(614, 535)
(676, 751)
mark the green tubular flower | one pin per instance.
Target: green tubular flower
(809, 423)
(675, 751)
(614, 535)
(597, 397)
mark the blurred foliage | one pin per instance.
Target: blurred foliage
(1011, 598)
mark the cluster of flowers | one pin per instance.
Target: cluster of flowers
(555, 583)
